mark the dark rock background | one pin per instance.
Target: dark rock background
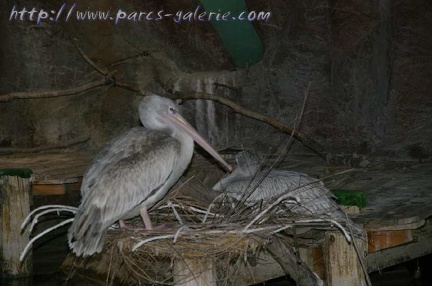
(368, 65)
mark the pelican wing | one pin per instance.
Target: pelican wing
(131, 170)
(123, 146)
(312, 197)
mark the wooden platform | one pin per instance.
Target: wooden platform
(52, 172)
(397, 216)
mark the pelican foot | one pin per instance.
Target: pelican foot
(124, 226)
(161, 227)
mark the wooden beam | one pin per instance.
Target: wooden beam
(14, 207)
(55, 187)
(342, 265)
(48, 190)
(422, 245)
(57, 181)
(378, 240)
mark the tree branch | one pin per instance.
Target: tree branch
(309, 143)
(55, 93)
(88, 60)
(109, 79)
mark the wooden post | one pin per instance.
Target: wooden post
(14, 207)
(342, 265)
(292, 264)
(194, 272)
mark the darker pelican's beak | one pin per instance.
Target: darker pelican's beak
(182, 124)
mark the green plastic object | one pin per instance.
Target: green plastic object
(239, 37)
(18, 172)
(350, 197)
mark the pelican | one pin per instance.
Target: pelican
(133, 172)
(307, 196)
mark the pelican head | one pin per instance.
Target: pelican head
(161, 114)
(248, 164)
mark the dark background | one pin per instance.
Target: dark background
(368, 64)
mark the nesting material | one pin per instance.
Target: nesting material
(211, 233)
(133, 257)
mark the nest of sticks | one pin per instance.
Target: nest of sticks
(202, 226)
(206, 229)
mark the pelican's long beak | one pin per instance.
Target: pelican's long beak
(236, 174)
(181, 123)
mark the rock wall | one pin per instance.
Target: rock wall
(367, 65)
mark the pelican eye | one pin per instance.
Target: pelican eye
(172, 110)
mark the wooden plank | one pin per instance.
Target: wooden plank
(397, 194)
(378, 240)
(391, 256)
(194, 272)
(57, 181)
(56, 187)
(50, 166)
(14, 207)
(397, 226)
(74, 186)
(48, 190)
(342, 263)
(409, 222)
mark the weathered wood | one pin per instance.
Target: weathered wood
(51, 168)
(194, 272)
(57, 189)
(343, 267)
(398, 226)
(292, 264)
(398, 199)
(421, 246)
(379, 240)
(48, 190)
(14, 207)
(57, 181)
(398, 196)
(314, 258)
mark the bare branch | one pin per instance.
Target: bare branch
(234, 89)
(88, 60)
(142, 54)
(309, 143)
(52, 93)
(107, 80)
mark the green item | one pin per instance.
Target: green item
(239, 37)
(17, 172)
(350, 197)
